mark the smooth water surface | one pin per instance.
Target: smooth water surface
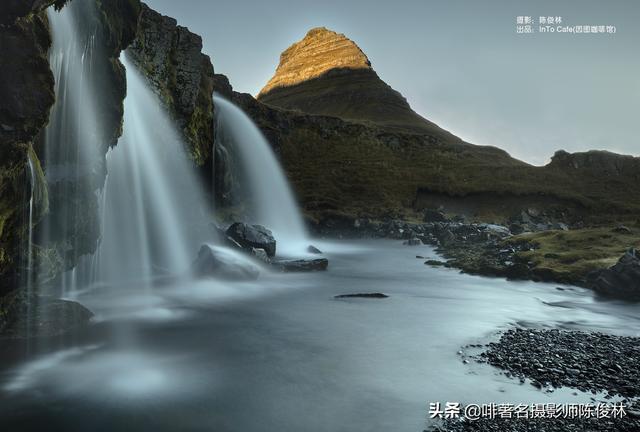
(281, 354)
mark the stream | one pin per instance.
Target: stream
(281, 354)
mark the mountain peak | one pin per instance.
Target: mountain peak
(320, 51)
(326, 73)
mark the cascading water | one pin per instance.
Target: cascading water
(154, 218)
(74, 137)
(149, 212)
(27, 248)
(268, 196)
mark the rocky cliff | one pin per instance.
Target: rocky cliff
(26, 95)
(171, 58)
(26, 98)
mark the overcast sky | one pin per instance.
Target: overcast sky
(460, 63)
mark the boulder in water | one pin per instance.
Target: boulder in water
(621, 280)
(253, 236)
(215, 261)
(314, 250)
(301, 265)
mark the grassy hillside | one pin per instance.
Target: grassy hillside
(343, 167)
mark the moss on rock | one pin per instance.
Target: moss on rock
(171, 58)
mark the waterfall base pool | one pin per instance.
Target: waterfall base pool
(281, 354)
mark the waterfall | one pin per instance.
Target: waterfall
(154, 213)
(27, 248)
(266, 191)
(73, 141)
(149, 214)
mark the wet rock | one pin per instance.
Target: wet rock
(445, 236)
(412, 242)
(431, 215)
(560, 226)
(301, 265)
(588, 361)
(260, 254)
(48, 317)
(516, 228)
(435, 263)
(253, 236)
(495, 230)
(619, 281)
(362, 295)
(171, 57)
(314, 250)
(218, 262)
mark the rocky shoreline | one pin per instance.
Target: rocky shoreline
(539, 249)
(594, 362)
(602, 364)
(625, 424)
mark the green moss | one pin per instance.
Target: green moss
(367, 170)
(571, 255)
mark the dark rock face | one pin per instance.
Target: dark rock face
(431, 215)
(11, 10)
(171, 58)
(220, 263)
(620, 281)
(253, 236)
(603, 162)
(301, 265)
(26, 95)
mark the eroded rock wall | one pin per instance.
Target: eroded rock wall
(171, 57)
(26, 96)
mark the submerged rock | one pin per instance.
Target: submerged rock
(218, 262)
(260, 254)
(362, 295)
(44, 317)
(621, 280)
(253, 236)
(301, 265)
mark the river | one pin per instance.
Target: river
(281, 354)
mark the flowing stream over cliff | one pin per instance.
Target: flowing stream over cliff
(154, 211)
(265, 189)
(150, 214)
(74, 135)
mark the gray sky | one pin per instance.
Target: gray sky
(460, 63)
